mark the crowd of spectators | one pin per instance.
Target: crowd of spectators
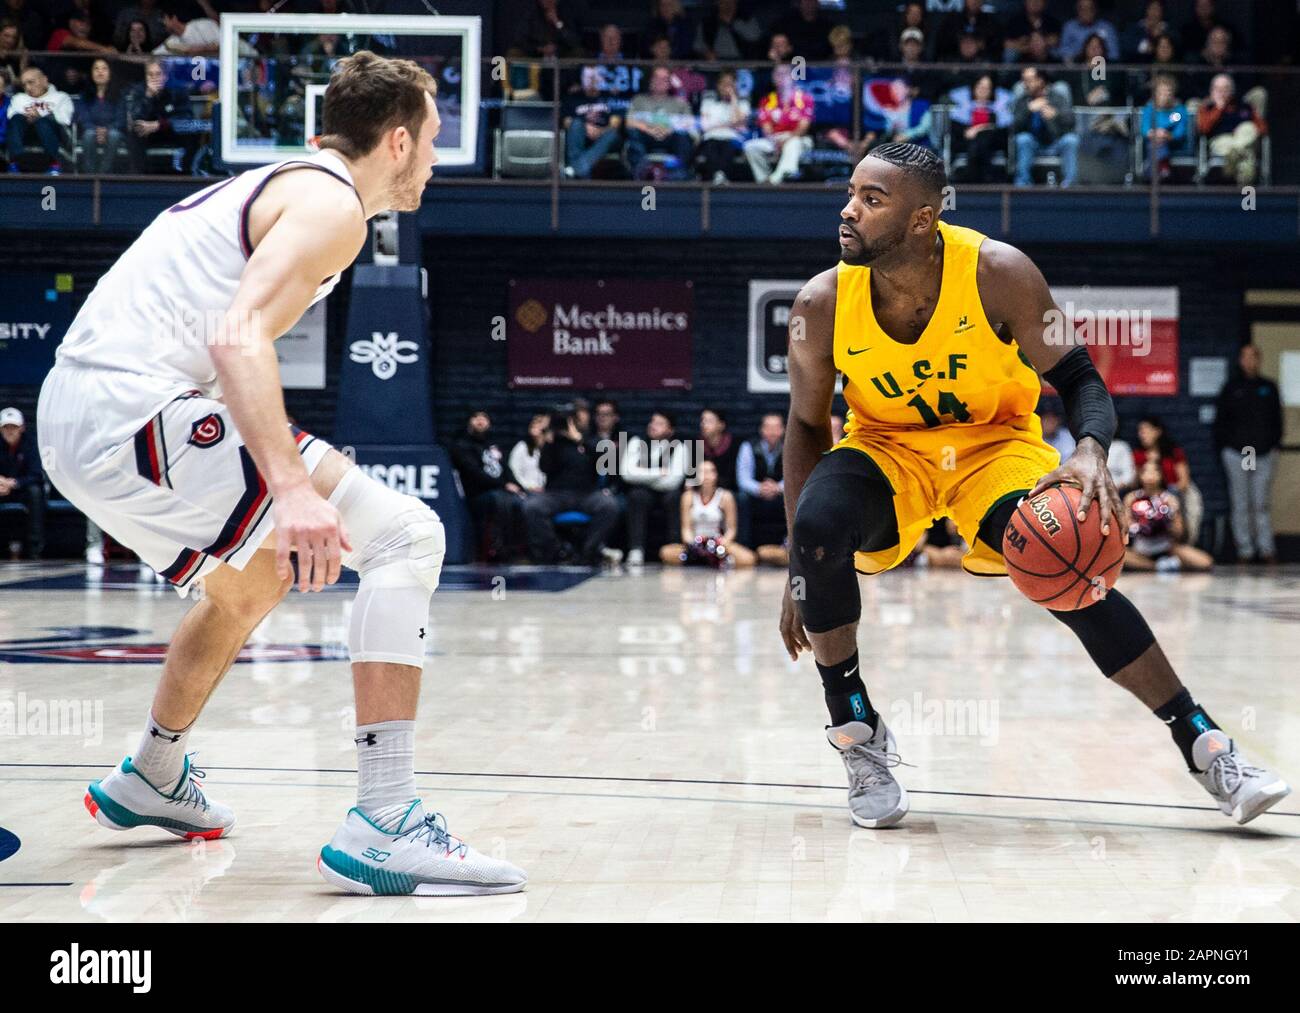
(580, 487)
(1006, 90)
(1014, 84)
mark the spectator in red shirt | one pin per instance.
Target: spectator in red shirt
(74, 36)
(1233, 128)
(784, 117)
(1153, 438)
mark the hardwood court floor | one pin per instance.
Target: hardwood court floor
(644, 748)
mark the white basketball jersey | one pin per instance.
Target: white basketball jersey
(707, 519)
(156, 309)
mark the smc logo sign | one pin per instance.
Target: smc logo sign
(384, 353)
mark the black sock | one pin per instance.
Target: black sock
(1186, 720)
(846, 696)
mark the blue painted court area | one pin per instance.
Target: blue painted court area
(454, 578)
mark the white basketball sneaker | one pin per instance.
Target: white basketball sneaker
(418, 856)
(876, 799)
(124, 800)
(1242, 790)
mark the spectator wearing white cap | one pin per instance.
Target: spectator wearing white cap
(22, 482)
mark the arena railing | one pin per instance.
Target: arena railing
(526, 103)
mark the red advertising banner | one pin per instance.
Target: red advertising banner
(1131, 334)
(597, 335)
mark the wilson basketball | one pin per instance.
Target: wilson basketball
(1055, 559)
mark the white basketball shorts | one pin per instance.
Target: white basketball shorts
(158, 466)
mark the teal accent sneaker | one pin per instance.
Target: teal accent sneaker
(405, 852)
(876, 799)
(124, 800)
(1242, 790)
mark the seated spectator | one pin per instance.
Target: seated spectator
(784, 118)
(39, 114)
(719, 446)
(13, 51)
(1154, 441)
(1233, 128)
(808, 30)
(31, 20)
(1055, 433)
(1164, 128)
(972, 20)
(1039, 51)
(909, 122)
(880, 95)
(670, 21)
(135, 51)
(74, 37)
(188, 36)
(1139, 42)
(1119, 461)
(1075, 32)
(591, 129)
(979, 122)
(1043, 122)
(102, 120)
(653, 471)
(724, 35)
(1247, 432)
(1033, 17)
(611, 44)
(22, 481)
(525, 459)
(883, 44)
(707, 519)
(150, 17)
(1205, 18)
(760, 475)
(1165, 60)
(941, 547)
(550, 29)
(686, 84)
(658, 122)
(1094, 85)
(568, 460)
(724, 125)
(492, 493)
(150, 108)
(1214, 59)
(1156, 528)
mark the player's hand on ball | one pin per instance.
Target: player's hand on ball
(792, 631)
(308, 524)
(1086, 469)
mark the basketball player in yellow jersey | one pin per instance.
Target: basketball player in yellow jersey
(939, 333)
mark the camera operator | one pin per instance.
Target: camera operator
(568, 460)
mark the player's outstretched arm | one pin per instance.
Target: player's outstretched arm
(307, 242)
(811, 366)
(1017, 300)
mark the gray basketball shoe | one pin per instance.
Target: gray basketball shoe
(876, 800)
(1243, 791)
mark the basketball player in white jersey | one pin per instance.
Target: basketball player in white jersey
(163, 420)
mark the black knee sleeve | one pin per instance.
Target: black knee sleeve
(1112, 631)
(846, 505)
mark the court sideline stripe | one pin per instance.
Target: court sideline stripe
(676, 780)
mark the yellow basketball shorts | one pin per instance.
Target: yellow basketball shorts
(961, 472)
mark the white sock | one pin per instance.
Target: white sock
(160, 757)
(385, 769)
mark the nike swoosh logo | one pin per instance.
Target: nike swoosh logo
(850, 671)
(859, 351)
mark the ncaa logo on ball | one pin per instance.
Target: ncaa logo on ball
(207, 431)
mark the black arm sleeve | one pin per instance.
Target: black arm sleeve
(1088, 407)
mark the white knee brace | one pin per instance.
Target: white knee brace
(397, 547)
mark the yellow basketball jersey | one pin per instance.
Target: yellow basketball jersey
(957, 374)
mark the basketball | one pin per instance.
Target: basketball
(1055, 559)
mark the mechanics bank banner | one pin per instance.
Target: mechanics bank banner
(627, 335)
(35, 313)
